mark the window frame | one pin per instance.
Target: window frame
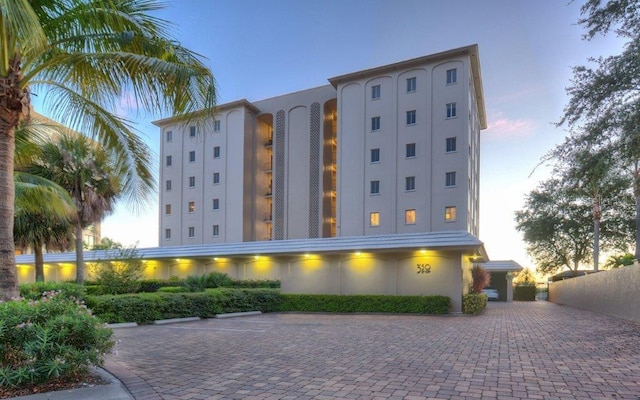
(191, 232)
(410, 216)
(451, 111)
(169, 136)
(216, 178)
(192, 131)
(374, 187)
(374, 219)
(412, 85)
(192, 181)
(192, 156)
(411, 117)
(450, 179)
(375, 151)
(191, 207)
(410, 183)
(450, 214)
(410, 150)
(451, 140)
(216, 204)
(375, 92)
(216, 151)
(167, 209)
(216, 230)
(167, 233)
(167, 185)
(216, 125)
(168, 161)
(375, 123)
(452, 76)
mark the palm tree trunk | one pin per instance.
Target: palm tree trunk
(597, 214)
(8, 276)
(79, 255)
(37, 249)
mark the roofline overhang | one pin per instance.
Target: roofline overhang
(209, 111)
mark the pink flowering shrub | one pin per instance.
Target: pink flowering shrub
(49, 338)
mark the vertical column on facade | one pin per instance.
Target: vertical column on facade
(329, 159)
(314, 171)
(279, 194)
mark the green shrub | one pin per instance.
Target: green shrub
(365, 303)
(121, 274)
(481, 278)
(173, 289)
(35, 291)
(196, 283)
(474, 303)
(150, 285)
(256, 284)
(218, 279)
(148, 307)
(54, 337)
(524, 293)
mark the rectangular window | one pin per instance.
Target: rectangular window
(167, 233)
(410, 183)
(216, 152)
(410, 217)
(451, 144)
(375, 155)
(169, 135)
(452, 76)
(192, 156)
(192, 206)
(216, 230)
(167, 185)
(411, 117)
(450, 178)
(192, 181)
(374, 219)
(450, 213)
(375, 92)
(169, 161)
(375, 187)
(216, 178)
(411, 150)
(216, 204)
(375, 123)
(411, 85)
(167, 209)
(192, 231)
(451, 110)
(192, 131)
(216, 125)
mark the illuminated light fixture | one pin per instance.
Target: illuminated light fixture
(423, 251)
(358, 253)
(256, 257)
(306, 255)
(215, 258)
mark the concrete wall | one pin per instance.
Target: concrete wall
(615, 292)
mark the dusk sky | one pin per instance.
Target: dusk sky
(261, 49)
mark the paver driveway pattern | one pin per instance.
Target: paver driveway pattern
(513, 351)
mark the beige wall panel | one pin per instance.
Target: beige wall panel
(297, 175)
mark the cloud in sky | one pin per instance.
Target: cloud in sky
(502, 127)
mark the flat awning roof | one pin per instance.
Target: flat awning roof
(502, 266)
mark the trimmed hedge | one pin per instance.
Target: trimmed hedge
(365, 303)
(147, 307)
(524, 293)
(474, 303)
(35, 291)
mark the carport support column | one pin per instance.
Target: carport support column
(509, 279)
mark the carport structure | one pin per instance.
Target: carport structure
(502, 272)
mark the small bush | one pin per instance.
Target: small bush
(121, 274)
(218, 279)
(365, 303)
(524, 293)
(481, 279)
(474, 303)
(196, 283)
(256, 284)
(173, 289)
(54, 337)
(35, 291)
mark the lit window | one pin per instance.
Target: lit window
(375, 123)
(451, 110)
(411, 117)
(169, 161)
(216, 230)
(167, 185)
(216, 125)
(192, 206)
(167, 209)
(169, 136)
(192, 181)
(375, 187)
(451, 144)
(192, 131)
(375, 92)
(216, 178)
(216, 152)
(452, 76)
(450, 178)
(450, 213)
(410, 217)
(374, 219)
(167, 233)
(375, 155)
(192, 156)
(411, 150)
(410, 183)
(411, 85)
(192, 231)
(216, 204)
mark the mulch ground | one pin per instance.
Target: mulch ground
(92, 379)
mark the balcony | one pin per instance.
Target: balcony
(268, 166)
(268, 142)
(268, 217)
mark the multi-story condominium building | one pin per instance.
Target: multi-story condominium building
(392, 149)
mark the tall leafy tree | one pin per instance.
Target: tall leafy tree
(82, 56)
(605, 95)
(90, 176)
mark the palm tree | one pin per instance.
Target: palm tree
(82, 56)
(88, 174)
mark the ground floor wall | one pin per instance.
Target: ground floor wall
(615, 292)
(400, 273)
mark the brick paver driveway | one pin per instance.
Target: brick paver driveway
(513, 351)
